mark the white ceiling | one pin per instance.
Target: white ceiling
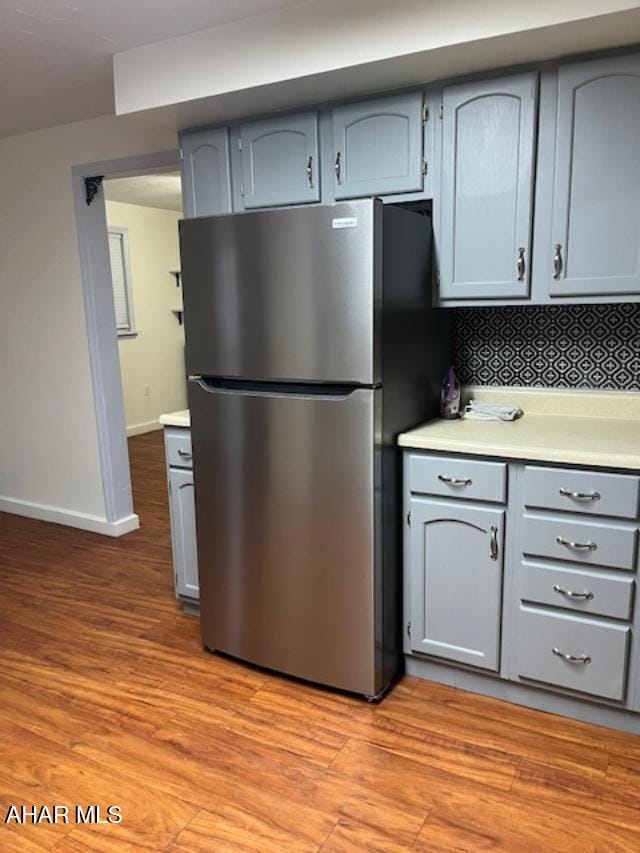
(163, 191)
(56, 55)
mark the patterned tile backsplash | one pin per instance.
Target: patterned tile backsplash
(554, 346)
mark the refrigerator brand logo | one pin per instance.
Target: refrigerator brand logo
(346, 222)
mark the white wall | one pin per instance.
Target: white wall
(155, 356)
(323, 49)
(49, 462)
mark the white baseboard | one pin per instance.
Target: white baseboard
(123, 525)
(139, 429)
(70, 518)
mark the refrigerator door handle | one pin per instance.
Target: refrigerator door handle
(301, 390)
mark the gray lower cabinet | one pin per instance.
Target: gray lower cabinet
(456, 580)
(595, 218)
(184, 541)
(206, 172)
(484, 198)
(378, 146)
(280, 161)
(537, 594)
(182, 514)
(574, 581)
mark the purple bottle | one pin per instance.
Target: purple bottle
(450, 395)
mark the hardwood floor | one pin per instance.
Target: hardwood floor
(107, 697)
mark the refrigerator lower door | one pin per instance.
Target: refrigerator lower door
(285, 492)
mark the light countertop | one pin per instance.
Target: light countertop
(176, 419)
(578, 428)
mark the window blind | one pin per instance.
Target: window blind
(121, 284)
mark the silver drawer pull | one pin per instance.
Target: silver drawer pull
(493, 543)
(576, 546)
(571, 658)
(337, 168)
(185, 454)
(557, 261)
(583, 596)
(580, 496)
(455, 481)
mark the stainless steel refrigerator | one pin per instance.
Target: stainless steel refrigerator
(310, 344)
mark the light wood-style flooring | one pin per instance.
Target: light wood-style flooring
(107, 697)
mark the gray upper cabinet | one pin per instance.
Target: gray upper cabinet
(378, 146)
(456, 581)
(206, 174)
(595, 223)
(484, 202)
(280, 161)
(535, 176)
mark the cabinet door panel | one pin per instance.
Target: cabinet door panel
(456, 581)
(378, 146)
(486, 191)
(183, 533)
(280, 161)
(206, 176)
(596, 199)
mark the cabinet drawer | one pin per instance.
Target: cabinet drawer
(584, 592)
(597, 650)
(581, 491)
(456, 477)
(178, 445)
(599, 543)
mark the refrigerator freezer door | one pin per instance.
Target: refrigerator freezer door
(285, 491)
(283, 294)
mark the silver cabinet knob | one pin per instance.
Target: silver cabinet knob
(184, 454)
(309, 170)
